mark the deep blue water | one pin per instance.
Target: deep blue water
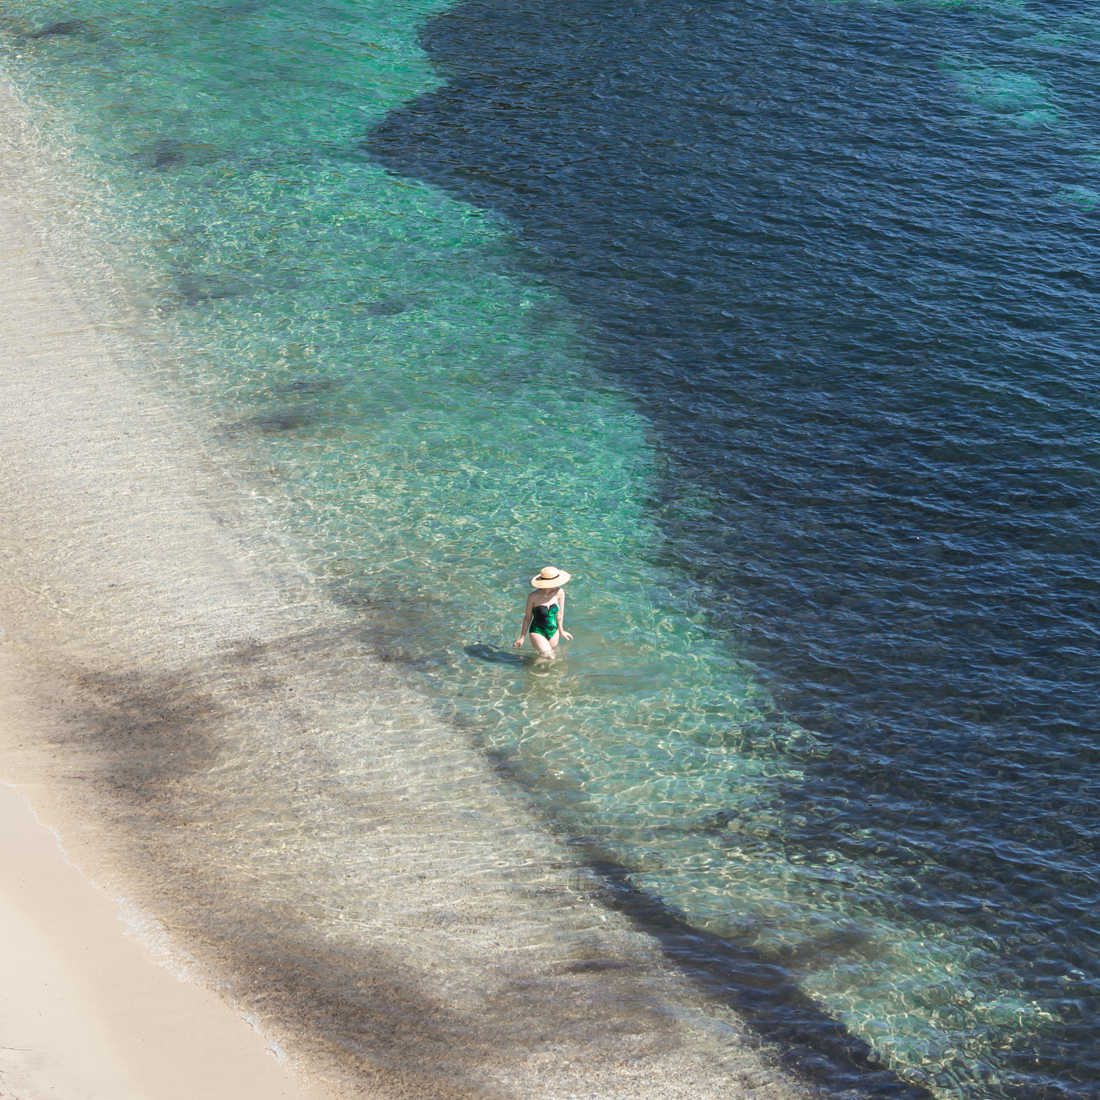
(845, 255)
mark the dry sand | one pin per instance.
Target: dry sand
(86, 1015)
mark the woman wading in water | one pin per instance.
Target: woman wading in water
(544, 616)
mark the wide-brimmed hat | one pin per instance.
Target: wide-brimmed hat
(550, 578)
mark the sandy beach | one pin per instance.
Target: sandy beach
(86, 1012)
(165, 665)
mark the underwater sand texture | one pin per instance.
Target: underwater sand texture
(195, 698)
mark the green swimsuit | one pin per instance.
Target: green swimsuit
(544, 620)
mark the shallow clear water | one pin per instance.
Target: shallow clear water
(770, 324)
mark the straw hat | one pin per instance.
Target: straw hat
(550, 578)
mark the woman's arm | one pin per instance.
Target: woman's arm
(561, 617)
(527, 612)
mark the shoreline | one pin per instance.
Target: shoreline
(87, 1008)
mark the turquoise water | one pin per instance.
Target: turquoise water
(432, 421)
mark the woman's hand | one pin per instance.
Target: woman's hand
(566, 635)
(518, 642)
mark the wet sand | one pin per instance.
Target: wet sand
(178, 704)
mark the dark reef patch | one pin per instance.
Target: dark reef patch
(68, 27)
